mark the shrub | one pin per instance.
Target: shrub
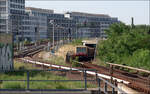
(75, 62)
(126, 45)
(77, 42)
(140, 59)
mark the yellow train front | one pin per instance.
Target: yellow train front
(82, 53)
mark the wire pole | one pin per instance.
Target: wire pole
(53, 36)
(18, 35)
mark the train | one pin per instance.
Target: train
(84, 53)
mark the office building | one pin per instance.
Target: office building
(91, 25)
(64, 28)
(37, 21)
(34, 23)
(11, 16)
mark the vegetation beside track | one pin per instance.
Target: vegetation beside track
(126, 45)
(56, 60)
(76, 42)
(37, 76)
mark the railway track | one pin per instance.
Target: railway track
(137, 82)
(29, 51)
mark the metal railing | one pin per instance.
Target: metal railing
(114, 90)
(27, 80)
(85, 80)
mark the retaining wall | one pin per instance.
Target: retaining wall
(6, 52)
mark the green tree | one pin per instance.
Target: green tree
(122, 43)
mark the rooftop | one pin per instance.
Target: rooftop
(40, 10)
(89, 14)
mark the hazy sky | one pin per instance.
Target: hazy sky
(124, 10)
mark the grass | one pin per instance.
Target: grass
(56, 60)
(37, 75)
(76, 42)
(20, 65)
(99, 62)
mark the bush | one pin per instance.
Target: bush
(140, 59)
(126, 45)
(75, 64)
(77, 42)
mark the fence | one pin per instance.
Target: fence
(27, 80)
(85, 80)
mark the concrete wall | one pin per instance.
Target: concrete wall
(6, 52)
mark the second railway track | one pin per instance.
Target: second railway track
(137, 82)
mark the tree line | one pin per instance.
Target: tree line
(126, 45)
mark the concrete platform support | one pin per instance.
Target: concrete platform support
(127, 89)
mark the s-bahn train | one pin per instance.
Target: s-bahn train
(82, 53)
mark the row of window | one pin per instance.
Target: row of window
(17, 6)
(3, 9)
(2, 3)
(56, 16)
(2, 21)
(2, 26)
(18, 1)
(39, 14)
(63, 21)
(92, 18)
(16, 11)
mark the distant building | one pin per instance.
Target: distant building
(3, 16)
(38, 19)
(11, 17)
(41, 28)
(64, 28)
(91, 25)
(34, 23)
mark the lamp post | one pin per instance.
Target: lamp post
(52, 22)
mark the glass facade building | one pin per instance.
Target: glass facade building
(38, 23)
(91, 25)
(64, 28)
(4, 16)
(11, 16)
(34, 23)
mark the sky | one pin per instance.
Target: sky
(124, 10)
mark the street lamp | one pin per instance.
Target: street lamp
(52, 22)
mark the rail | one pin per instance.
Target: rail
(137, 69)
(106, 83)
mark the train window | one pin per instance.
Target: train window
(81, 50)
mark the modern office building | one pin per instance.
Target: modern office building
(35, 23)
(3, 16)
(11, 16)
(91, 25)
(38, 23)
(64, 28)
(41, 25)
